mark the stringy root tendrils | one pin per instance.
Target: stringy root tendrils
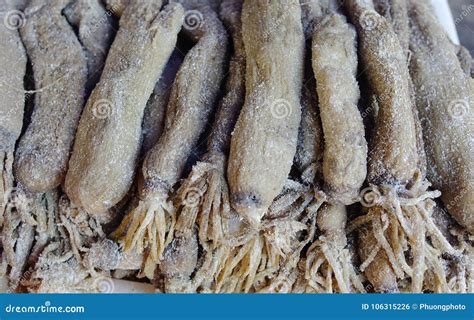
(328, 264)
(205, 197)
(150, 225)
(267, 261)
(401, 222)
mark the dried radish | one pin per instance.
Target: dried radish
(13, 61)
(345, 153)
(95, 31)
(209, 174)
(396, 12)
(265, 137)
(107, 142)
(192, 100)
(443, 100)
(398, 201)
(60, 73)
(155, 111)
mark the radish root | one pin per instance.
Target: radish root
(401, 220)
(192, 100)
(26, 230)
(328, 266)
(149, 225)
(107, 141)
(266, 261)
(205, 196)
(289, 253)
(13, 101)
(6, 181)
(328, 257)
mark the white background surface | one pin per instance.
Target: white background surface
(446, 18)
